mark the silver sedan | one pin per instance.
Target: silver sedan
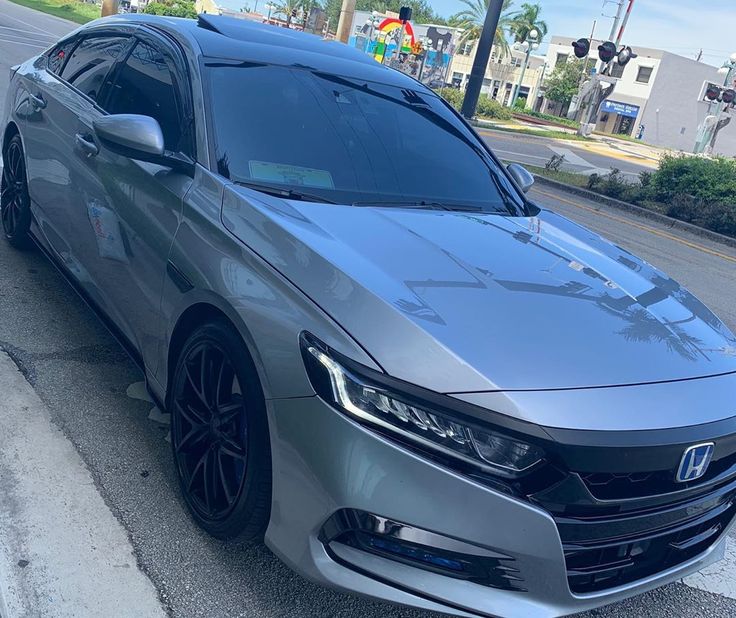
(378, 353)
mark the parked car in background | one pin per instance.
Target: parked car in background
(378, 352)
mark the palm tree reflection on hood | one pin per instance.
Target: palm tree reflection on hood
(644, 327)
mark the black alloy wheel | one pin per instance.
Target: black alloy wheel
(219, 434)
(15, 205)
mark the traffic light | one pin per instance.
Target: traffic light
(607, 51)
(712, 92)
(581, 48)
(728, 96)
(293, 13)
(625, 55)
(405, 13)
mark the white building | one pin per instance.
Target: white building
(658, 90)
(502, 73)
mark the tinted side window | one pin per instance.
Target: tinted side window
(145, 85)
(59, 54)
(90, 61)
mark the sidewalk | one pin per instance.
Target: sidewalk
(62, 552)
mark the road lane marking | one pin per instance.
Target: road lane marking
(25, 23)
(20, 38)
(520, 154)
(21, 43)
(718, 578)
(29, 32)
(640, 226)
(571, 157)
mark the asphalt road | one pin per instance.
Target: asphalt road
(580, 157)
(92, 391)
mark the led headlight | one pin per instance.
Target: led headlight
(373, 404)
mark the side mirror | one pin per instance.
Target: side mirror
(139, 137)
(131, 135)
(521, 176)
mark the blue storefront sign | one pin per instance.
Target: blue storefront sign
(624, 109)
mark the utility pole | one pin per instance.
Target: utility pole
(109, 7)
(482, 55)
(346, 20)
(624, 24)
(532, 43)
(712, 123)
(614, 28)
(617, 33)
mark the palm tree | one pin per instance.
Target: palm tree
(471, 19)
(526, 20)
(286, 7)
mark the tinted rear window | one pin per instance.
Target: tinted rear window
(59, 54)
(353, 141)
(90, 61)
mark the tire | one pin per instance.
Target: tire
(219, 434)
(15, 204)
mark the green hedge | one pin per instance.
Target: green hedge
(487, 108)
(704, 179)
(693, 189)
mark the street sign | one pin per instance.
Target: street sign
(623, 109)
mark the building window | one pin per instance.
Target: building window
(466, 48)
(617, 70)
(645, 73)
(561, 58)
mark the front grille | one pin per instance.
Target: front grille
(623, 486)
(606, 551)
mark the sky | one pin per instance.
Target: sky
(679, 26)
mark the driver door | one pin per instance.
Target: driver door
(134, 207)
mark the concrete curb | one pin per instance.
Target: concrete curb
(648, 214)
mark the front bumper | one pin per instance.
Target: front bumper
(324, 462)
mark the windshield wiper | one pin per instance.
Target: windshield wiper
(429, 205)
(289, 194)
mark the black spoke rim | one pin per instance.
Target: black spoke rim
(209, 431)
(13, 195)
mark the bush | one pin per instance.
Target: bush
(173, 8)
(520, 104)
(691, 189)
(454, 96)
(487, 108)
(555, 163)
(710, 180)
(490, 108)
(712, 215)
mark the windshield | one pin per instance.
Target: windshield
(350, 141)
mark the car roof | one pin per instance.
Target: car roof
(222, 37)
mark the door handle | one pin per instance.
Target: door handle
(87, 146)
(37, 101)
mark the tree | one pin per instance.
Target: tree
(563, 83)
(332, 13)
(421, 10)
(174, 8)
(471, 21)
(287, 7)
(526, 20)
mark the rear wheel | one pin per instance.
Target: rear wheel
(219, 434)
(15, 205)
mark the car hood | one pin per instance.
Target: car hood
(464, 302)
